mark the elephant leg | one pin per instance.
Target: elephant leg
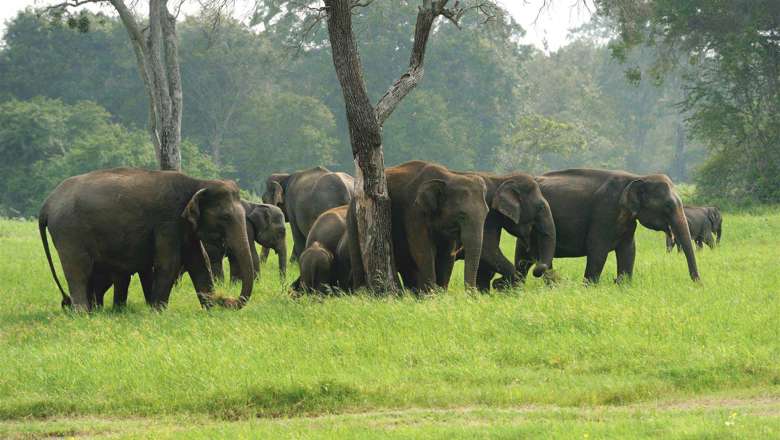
(216, 267)
(299, 243)
(709, 240)
(423, 253)
(699, 244)
(77, 265)
(264, 254)
(98, 285)
(625, 253)
(596, 258)
(121, 284)
(669, 241)
(147, 279)
(523, 261)
(445, 261)
(235, 269)
(167, 264)
(484, 276)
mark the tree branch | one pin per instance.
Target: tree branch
(71, 4)
(426, 15)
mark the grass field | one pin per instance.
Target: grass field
(658, 357)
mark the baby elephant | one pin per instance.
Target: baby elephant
(325, 263)
(264, 225)
(703, 222)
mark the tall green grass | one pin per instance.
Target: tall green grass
(658, 337)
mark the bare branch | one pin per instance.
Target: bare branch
(71, 4)
(426, 16)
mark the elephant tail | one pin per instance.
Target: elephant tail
(42, 222)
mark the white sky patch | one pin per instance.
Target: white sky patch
(549, 26)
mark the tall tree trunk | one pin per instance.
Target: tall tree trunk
(158, 64)
(371, 197)
(679, 168)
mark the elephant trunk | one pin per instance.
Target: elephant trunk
(238, 243)
(281, 252)
(545, 234)
(682, 237)
(471, 238)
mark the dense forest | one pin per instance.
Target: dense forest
(262, 97)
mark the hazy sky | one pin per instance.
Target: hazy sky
(552, 24)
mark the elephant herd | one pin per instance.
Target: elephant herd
(108, 225)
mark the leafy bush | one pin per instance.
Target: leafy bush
(44, 141)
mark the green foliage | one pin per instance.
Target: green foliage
(729, 51)
(44, 141)
(535, 141)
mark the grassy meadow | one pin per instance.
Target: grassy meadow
(660, 356)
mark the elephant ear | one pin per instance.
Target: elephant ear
(631, 198)
(430, 196)
(507, 201)
(259, 217)
(277, 193)
(192, 210)
(714, 215)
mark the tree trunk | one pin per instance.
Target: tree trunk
(679, 169)
(371, 197)
(158, 64)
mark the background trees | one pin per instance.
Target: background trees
(266, 99)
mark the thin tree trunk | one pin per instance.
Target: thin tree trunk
(158, 64)
(679, 168)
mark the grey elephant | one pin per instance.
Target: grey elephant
(325, 263)
(518, 207)
(303, 196)
(112, 223)
(434, 212)
(596, 212)
(703, 222)
(265, 226)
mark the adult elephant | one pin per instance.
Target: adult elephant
(517, 206)
(434, 211)
(703, 222)
(122, 221)
(265, 226)
(325, 263)
(596, 212)
(303, 196)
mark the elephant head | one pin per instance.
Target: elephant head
(274, 190)
(267, 223)
(456, 209)
(316, 268)
(716, 220)
(522, 204)
(653, 201)
(215, 214)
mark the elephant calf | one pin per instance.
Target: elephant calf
(325, 263)
(703, 222)
(303, 196)
(264, 225)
